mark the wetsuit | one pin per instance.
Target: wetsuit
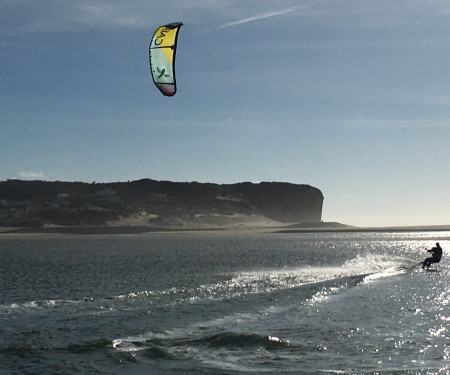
(435, 258)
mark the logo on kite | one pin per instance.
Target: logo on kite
(162, 73)
(162, 51)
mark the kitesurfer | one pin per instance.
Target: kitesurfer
(435, 258)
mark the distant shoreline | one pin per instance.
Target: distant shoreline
(440, 228)
(136, 230)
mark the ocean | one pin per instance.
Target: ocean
(243, 303)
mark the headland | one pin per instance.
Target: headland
(149, 205)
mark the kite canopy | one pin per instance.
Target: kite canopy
(162, 57)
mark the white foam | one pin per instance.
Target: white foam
(388, 272)
(32, 305)
(270, 280)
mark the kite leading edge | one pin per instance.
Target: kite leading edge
(162, 57)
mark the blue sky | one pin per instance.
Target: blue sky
(349, 96)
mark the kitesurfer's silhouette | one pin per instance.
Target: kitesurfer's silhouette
(435, 258)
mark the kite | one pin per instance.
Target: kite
(162, 57)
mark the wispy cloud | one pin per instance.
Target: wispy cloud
(50, 16)
(418, 123)
(32, 175)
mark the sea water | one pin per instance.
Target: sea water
(199, 303)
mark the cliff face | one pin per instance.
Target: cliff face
(154, 203)
(284, 202)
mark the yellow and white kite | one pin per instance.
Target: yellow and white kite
(162, 57)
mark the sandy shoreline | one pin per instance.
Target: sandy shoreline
(424, 228)
(136, 230)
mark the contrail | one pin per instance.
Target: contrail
(259, 17)
(266, 15)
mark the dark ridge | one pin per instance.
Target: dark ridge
(162, 204)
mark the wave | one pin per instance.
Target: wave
(36, 305)
(241, 340)
(359, 269)
(158, 344)
(266, 281)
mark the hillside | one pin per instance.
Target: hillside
(156, 204)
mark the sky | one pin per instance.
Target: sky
(349, 96)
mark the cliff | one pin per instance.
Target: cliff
(156, 203)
